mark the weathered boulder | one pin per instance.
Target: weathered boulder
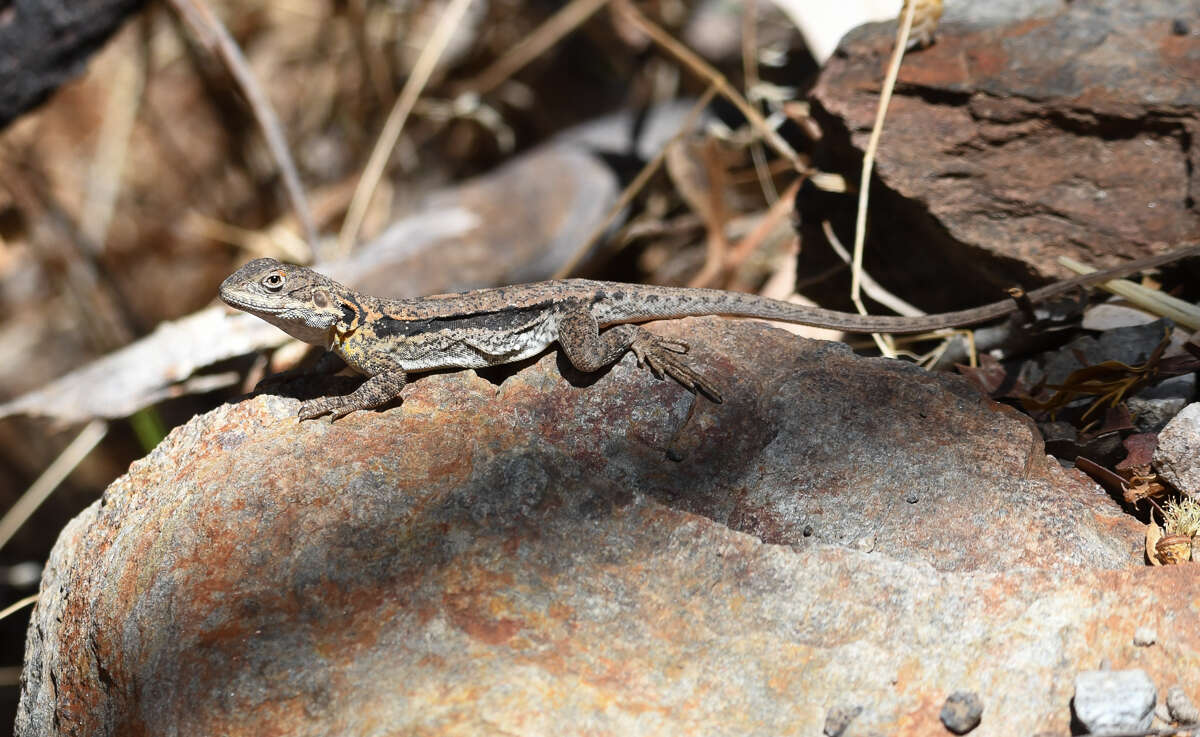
(518, 555)
(1026, 132)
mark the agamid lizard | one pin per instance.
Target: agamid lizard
(594, 322)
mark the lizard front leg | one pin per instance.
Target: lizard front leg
(386, 379)
(590, 350)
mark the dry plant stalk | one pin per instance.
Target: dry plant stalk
(636, 185)
(704, 70)
(213, 35)
(550, 32)
(377, 163)
(864, 186)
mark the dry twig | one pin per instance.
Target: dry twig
(636, 185)
(213, 35)
(704, 70)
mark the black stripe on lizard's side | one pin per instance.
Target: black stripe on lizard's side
(493, 321)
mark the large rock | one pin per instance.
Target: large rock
(1026, 132)
(524, 558)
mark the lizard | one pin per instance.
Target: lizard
(594, 323)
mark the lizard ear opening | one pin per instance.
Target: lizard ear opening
(320, 298)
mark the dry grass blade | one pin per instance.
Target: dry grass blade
(703, 69)
(705, 194)
(864, 186)
(873, 288)
(104, 174)
(570, 17)
(18, 605)
(421, 73)
(1179, 311)
(636, 185)
(41, 489)
(212, 33)
(780, 209)
(750, 74)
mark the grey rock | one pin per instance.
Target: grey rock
(1155, 406)
(484, 559)
(962, 712)
(1131, 345)
(1111, 315)
(1181, 708)
(1177, 457)
(1114, 701)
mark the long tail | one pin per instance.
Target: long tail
(629, 303)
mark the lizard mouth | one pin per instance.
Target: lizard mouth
(245, 304)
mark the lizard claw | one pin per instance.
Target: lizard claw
(659, 355)
(311, 409)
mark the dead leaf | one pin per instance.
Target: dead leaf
(1154, 533)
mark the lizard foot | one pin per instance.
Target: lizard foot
(661, 356)
(374, 392)
(311, 409)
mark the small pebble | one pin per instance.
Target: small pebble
(1180, 27)
(864, 544)
(1114, 701)
(911, 498)
(808, 530)
(1180, 707)
(1144, 637)
(962, 712)
(838, 718)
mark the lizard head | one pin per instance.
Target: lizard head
(295, 299)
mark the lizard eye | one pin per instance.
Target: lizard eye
(273, 282)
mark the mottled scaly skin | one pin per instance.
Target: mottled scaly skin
(592, 321)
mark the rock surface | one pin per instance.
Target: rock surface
(1177, 457)
(1027, 131)
(1114, 701)
(522, 558)
(1180, 707)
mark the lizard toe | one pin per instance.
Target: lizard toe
(312, 409)
(663, 363)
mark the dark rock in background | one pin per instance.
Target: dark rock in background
(46, 44)
(1026, 132)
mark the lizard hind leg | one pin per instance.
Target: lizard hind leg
(590, 350)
